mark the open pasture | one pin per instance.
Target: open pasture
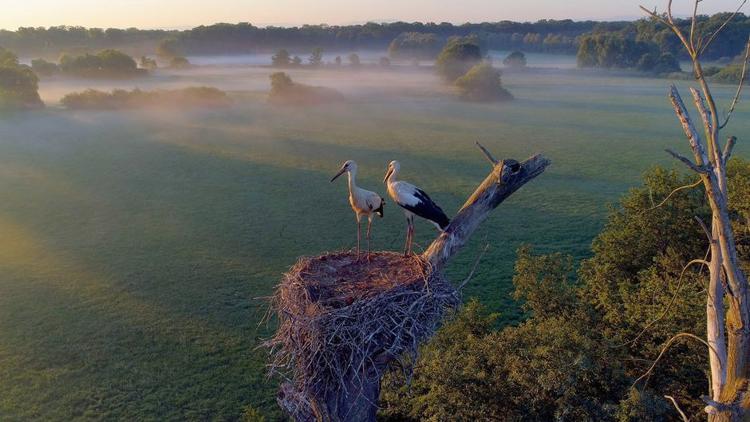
(134, 245)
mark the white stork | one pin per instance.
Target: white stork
(363, 202)
(414, 201)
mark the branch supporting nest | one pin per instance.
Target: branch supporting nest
(333, 352)
(341, 323)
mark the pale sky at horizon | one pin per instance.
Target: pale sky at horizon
(186, 14)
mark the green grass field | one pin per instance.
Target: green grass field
(136, 247)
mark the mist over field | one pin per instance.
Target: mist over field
(137, 245)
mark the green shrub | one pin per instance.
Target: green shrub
(179, 62)
(729, 74)
(482, 83)
(457, 57)
(106, 63)
(287, 92)
(44, 68)
(92, 99)
(19, 85)
(515, 60)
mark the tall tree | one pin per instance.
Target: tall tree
(728, 300)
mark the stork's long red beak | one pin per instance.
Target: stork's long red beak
(338, 174)
(387, 174)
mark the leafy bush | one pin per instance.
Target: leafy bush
(19, 85)
(515, 60)
(281, 59)
(658, 63)
(482, 83)
(148, 63)
(457, 57)
(287, 92)
(168, 48)
(106, 63)
(44, 68)
(316, 57)
(729, 74)
(354, 60)
(179, 62)
(119, 99)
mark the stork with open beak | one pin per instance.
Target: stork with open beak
(363, 202)
(414, 201)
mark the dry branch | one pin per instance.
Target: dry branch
(507, 176)
(341, 322)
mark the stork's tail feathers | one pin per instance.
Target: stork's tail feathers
(443, 223)
(379, 211)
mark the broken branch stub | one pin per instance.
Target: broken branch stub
(506, 177)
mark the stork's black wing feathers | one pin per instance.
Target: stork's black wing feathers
(428, 209)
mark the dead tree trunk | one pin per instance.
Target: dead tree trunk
(342, 322)
(727, 327)
(506, 177)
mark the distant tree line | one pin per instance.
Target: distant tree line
(610, 50)
(107, 63)
(557, 36)
(650, 46)
(223, 38)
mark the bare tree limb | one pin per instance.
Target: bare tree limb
(728, 147)
(687, 125)
(655, 15)
(506, 177)
(669, 306)
(487, 154)
(736, 97)
(666, 347)
(705, 113)
(692, 24)
(664, 201)
(677, 406)
(696, 168)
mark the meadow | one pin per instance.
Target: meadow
(136, 247)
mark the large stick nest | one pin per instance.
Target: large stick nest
(342, 320)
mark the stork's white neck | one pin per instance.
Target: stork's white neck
(392, 176)
(352, 175)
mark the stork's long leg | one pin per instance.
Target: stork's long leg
(411, 233)
(358, 235)
(369, 224)
(408, 233)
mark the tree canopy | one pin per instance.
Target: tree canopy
(457, 57)
(515, 60)
(415, 45)
(106, 63)
(482, 83)
(19, 85)
(590, 333)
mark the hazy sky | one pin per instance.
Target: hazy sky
(188, 13)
